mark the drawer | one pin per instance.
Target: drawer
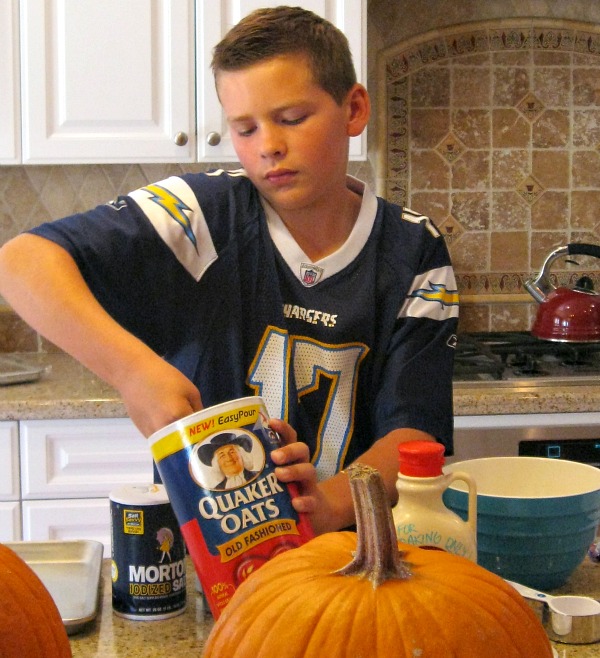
(81, 458)
(10, 522)
(82, 518)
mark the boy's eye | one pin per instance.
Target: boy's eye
(293, 121)
(245, 131)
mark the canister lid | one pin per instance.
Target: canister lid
(140, 494)
(421, 458)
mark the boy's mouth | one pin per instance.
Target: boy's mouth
(280, 176)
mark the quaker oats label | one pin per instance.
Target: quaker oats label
(148, 554)
(233, 512)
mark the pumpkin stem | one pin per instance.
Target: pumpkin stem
(377, 556)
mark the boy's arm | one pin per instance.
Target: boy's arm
(383, 455)
(42, 283)
(329, 503)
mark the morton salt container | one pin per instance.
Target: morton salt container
(148, 554)
(420, 516)
(233, 511)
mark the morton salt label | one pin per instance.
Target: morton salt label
(148, 554)
(233, 512)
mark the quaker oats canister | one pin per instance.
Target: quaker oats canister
(233, 512)
(148, 554)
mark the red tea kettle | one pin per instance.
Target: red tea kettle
(570, 315)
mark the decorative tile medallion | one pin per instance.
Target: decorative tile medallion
(530, 189)
(531, 107)
(451, 229)
(450, 148)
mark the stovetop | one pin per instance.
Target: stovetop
(520, 359)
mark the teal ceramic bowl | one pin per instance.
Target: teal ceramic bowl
(536, 517)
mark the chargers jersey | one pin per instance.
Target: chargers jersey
(346, 349)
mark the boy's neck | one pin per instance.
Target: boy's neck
(320, 234)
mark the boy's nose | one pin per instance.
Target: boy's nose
(272, 143)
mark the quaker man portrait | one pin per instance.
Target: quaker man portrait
(230, 455)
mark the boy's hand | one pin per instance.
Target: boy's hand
(293, 466)
(158, 394)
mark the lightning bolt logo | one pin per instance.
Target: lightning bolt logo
(437, 292)
(175, 207)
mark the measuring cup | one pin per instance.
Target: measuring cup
(569, 619)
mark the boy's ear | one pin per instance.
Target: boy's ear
(359, 110)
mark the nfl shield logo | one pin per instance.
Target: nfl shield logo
(310, 274)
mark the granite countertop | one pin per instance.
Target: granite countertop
(111, 636)
(69, 390)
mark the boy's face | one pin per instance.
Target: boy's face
(290, 135)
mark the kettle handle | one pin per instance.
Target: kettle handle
(583, 249)
(540, 287)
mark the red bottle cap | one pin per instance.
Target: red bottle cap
(421, 458)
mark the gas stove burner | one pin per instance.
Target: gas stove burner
(525, 364)
(519, 358)
(575, 360)
(579, 356)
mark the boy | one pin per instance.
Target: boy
(286, 279)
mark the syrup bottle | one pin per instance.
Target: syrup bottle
(420, 517)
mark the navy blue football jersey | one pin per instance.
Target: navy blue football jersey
(346, 349)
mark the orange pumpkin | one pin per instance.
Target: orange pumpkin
(30, 624)
(386, 602)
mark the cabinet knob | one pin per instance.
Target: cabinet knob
(213, 139)
(181, 139)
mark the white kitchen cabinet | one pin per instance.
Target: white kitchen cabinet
(107, 81)
(81, 458)
(67, 470)
(214, 19)
(67, 520)
(115, 81)
(10, 140)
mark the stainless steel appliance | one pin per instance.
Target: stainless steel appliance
(518, 360)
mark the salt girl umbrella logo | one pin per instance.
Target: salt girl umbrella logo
(165, 539)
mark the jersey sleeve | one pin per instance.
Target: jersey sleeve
(144, 255)
(416, 377)
(125, 265)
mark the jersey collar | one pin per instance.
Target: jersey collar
(311, 273)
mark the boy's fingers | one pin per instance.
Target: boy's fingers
(285, 431)
(302, 472)
(291, 453)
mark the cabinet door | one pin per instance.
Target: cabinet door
(10, 127)
(10, 522)
(81, 458)
(87, 518)
(214, 19)
(108, 81)
(9, 461)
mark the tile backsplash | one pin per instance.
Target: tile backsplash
(493, 129)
